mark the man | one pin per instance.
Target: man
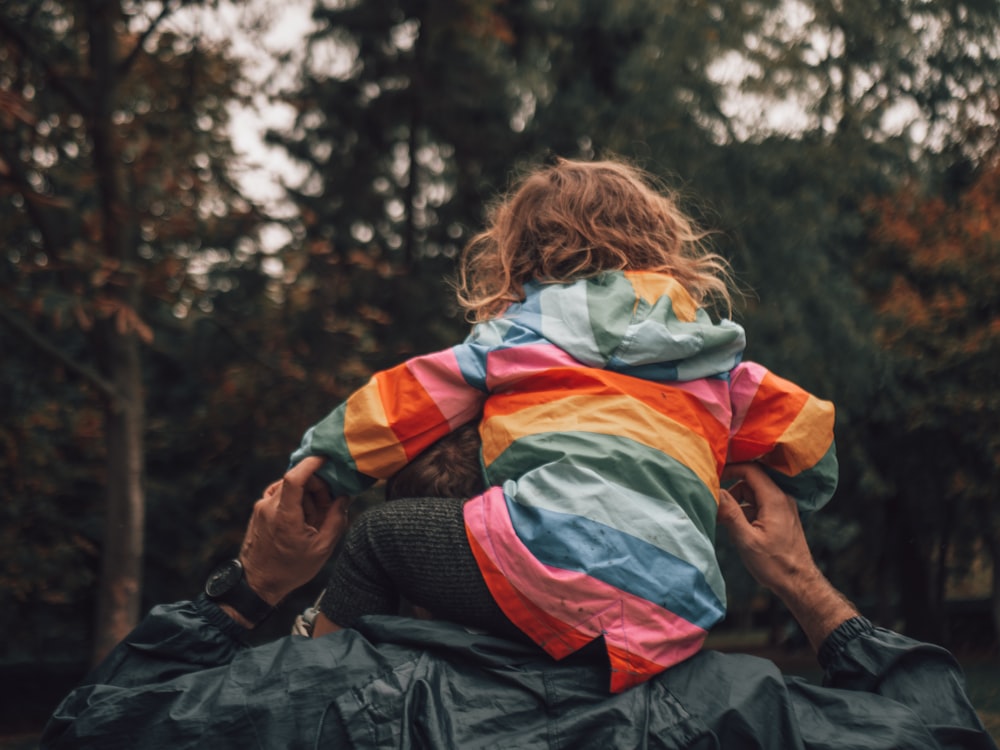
(184, 679)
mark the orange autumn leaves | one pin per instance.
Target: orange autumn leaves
(938, 264)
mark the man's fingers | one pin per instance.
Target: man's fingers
(318, 492)
(741, 492)
(299, 474)
(731, 514)
(756, 487)
(295, 480)
(750, 473)
(336, 515)
(734, 472)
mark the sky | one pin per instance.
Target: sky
(281, 25)
(287, 24)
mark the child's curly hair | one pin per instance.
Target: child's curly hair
(573, 220)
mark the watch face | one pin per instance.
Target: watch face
(224, 578)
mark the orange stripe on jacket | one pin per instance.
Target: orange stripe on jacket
(803, 444)
(616, 416)
(776, 404)
(412, 411)
(391, 420)
(557, 382)
(369, 438)
(567, 400)
(629, 669)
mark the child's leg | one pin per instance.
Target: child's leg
(416, 548)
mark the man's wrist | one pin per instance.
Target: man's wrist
(267, 590)
(817, 606)
(230, 586)
(806, 582)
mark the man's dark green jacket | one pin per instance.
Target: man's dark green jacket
(184, 679)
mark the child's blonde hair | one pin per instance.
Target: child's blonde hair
(573, 220)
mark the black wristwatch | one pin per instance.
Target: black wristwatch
(227, 584)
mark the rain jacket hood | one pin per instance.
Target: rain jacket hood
(639, 323)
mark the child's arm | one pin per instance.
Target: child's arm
(785, 429)
(395, 416)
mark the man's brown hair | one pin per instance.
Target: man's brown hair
(451, 467)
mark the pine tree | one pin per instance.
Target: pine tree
(113, 162)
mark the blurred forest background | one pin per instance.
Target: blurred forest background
(166, 335)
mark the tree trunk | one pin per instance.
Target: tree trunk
(922, 615)
(886, 608)
(992, 539)
(120, 585)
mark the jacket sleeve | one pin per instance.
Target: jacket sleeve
(173, 642)
(787, 430)
(395, 416)
(924, 678)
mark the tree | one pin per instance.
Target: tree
(403, 130)
(114, 163)
(933, 277)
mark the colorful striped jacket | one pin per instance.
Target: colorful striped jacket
(610, 407)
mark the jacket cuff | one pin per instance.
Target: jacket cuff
(213, 615)
(846, 632)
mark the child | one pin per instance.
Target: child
(610, 404)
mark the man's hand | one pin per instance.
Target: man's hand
(292, 532)
(764, 525)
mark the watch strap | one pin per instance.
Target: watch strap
(243, 599)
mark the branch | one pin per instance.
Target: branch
(249, 351)
(18, 180)
(31, 51)
(32, 336)
(129, 61)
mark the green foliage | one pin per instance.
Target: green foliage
(402, 142)
(117, 201)
(933, 278)
(50, 442)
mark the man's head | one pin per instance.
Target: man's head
(449, 468)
